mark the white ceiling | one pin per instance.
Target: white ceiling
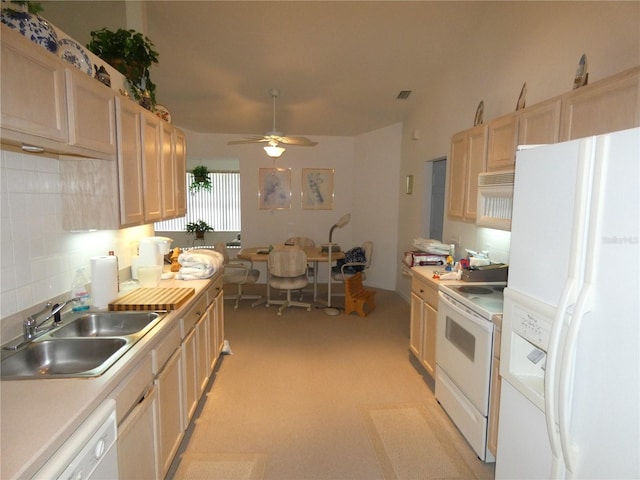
(339, 65)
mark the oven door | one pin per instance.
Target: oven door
(464, 341)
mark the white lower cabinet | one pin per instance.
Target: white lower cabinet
(169, 405)
(202, 366)
(136, 440)
(191, 396)
(167, 360)
(136, 412)
(424, 318)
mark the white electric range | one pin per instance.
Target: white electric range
(464, 355)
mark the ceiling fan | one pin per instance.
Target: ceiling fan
(274, 138)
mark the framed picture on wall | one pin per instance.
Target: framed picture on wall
(274, 188)
(317, 188)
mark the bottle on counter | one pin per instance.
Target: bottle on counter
(79, 289)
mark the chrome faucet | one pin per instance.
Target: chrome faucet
(31, 325)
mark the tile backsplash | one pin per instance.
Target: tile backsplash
(37, 257)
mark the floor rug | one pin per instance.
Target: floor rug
(217, 466)
(410, 444)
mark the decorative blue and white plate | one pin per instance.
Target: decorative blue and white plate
(35, 28)
(72, 52)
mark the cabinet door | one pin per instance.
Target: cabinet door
(502, 135)
(202, 339)
(606, 106)
(151, 166)
(540, 124)
(168, 172)
(430, 318)
(191, 390)
(32, 89)
(457, 164)
(137, 456)
(92, 116)
(494, 407)
(216, 329)
(170, 428)
(416, 328)
(476, 164)
(129, 163)
(181, 173)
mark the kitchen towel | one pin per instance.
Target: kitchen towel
(104, 280)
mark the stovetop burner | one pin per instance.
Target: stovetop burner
(474, 290)
(485, 299)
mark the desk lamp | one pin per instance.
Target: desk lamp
(333, 248)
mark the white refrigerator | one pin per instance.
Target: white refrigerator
(570, 351)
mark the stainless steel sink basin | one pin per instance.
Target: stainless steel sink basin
(112, 324)
(70, 357)
(86, 345)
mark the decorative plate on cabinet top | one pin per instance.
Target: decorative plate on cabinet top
(162, 112)
(479, 120)
(582, 75)
(33, 27)
(72, 52)
(522, 99)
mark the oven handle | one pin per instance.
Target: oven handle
(486, 325)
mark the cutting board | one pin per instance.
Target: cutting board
(152, 299)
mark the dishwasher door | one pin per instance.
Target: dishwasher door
(90, 453)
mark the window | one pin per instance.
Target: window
(219, 207)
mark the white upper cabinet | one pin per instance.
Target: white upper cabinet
(92, 116)
(605, 106)
(33, 93)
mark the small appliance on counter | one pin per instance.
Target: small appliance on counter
(494, 272)
(153, 249)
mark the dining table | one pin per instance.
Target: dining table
(315, 255)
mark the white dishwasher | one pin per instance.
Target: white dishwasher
(90, 453)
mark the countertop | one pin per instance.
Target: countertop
(426, 275)
(38, 415)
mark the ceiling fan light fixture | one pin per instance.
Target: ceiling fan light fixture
(274, 151)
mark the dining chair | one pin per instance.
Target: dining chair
(287, 270)
(303, 242)
(238, 272)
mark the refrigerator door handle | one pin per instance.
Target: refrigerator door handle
(556, 351)
(550, 379)
(598, 174)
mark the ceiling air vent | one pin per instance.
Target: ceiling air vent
(404, 94)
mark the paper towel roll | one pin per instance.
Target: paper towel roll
(104, 280)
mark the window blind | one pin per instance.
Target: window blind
(219, 207)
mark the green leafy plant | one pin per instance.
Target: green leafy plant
(24, 5)
(201, 180)
(129, 52)
(199, 228)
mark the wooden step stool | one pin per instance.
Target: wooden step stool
(356, 296)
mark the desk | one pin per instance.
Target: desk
(314, 254)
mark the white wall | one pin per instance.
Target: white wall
(37, 257)
(539, 43)
(365, 173)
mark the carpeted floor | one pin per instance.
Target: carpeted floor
(311, 396)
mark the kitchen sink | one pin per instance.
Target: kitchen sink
(112, 324)
(70, 357)
(86, 345)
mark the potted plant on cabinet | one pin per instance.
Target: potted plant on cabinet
(132, 54)
(199, 228)
(201, 180)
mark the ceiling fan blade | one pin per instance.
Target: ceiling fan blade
(250, 140)
(299, 141)
(275, 137)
